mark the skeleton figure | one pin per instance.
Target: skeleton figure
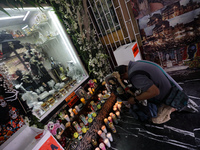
(13, 113)
(3, 102)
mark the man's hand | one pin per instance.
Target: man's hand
(131, 100)
(116, 75)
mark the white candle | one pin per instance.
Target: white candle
(107, 142)
(111, 114)
(104, 129)
(102, 146)
(99, 132)
(118, 114)
(97, 148)
(116, 105)
(100, 96)
(119, 107)
(72, 114)
(70, 110)
(90, 90)
(103, 135)
(77, 108)
(114, 108)
(109, 136)
(110, 119)
(67, 118)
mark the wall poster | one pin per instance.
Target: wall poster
(171, 35)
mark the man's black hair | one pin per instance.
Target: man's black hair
(121, 69)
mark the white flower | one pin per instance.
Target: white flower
(57, 1)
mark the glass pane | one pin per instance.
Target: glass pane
(40, 57)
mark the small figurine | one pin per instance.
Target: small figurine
(53, 127)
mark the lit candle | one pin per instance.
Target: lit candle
(114, 108)
(111, 114)
(67, 118)
(110, 119)
(77, 108)
(106, 122)
(118, 114)
(104, 129)
(107, 142)
(70, 110)
(102, 146)
(114, 118)
(109, 136)
(119, 107)
(100, 96)
(72, 114)
(101, 134)
(120, 102)
(75, 111)
(90, 90)
(83, 100)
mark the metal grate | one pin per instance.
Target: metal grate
(110, 19)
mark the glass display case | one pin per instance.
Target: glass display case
(40, 58)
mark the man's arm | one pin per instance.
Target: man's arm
(150, 93)
(117, 76)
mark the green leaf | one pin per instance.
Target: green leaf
(3, 10)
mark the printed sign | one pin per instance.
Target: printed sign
(51, 144)
(135, 50)
(72, 98)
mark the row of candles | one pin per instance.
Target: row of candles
(103, 133)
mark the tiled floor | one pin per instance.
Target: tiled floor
(180, 133)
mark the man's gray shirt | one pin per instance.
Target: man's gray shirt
(144, 83)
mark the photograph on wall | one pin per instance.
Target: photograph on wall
(166, 31)
(142, 8)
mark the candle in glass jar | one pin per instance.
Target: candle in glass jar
(110, 119)
(67, 118)
(83, 100)
(77, 108)
(75, 111)
(102, 146)
(100, 96)
(114, 118)
(118, 114)
(89, 89)
(107, 142)
(114, 108)
(109, 136)
(111, 114)
(106, 122)
(72, 114)
(70, 110)
(104, 129)
(119, 107)
(101, 134)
